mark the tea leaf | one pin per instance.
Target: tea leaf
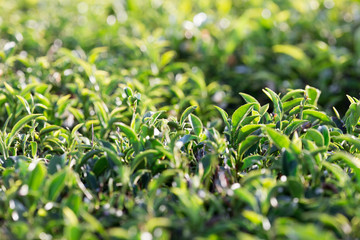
(56, 185)
(279, 139)
(37, 177)
(196, 124)
(316, 114)
(186, 113)
(240, 114)
(18, 126)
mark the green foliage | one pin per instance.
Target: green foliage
(89, 180)
(118, 119)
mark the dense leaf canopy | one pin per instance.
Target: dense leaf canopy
(122, 119)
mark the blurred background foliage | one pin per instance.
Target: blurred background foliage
(238, 45)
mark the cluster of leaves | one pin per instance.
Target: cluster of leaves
(278, 44)
(290, 173)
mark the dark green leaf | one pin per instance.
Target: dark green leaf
(56, 185)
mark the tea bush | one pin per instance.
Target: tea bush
(116, 122)
(79, 168)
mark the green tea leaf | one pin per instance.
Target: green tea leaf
(224, 116)
(141, 156)
(196, 124)
(324, 130)
(289, 163)
(278, 105)
(247, 144)
(48, 129)
(295, 124)
(248, 98)
(102, 112)
(34, 148)
(100, 166)
(316, 114)
(37, 177)
(186, 113)
(24, 103)
(352, 117)
(56, 185)
(279, 139)
(296, 187)
(350, 160)
(313, 94)
(251, 160)
(293, 51)
(293, 94)
(240, 114)
(292, 103)
(315, 136)
(18, 126)
(9, 89)
(86, 157)
(75, 129)
(245, 131)
(130, 134)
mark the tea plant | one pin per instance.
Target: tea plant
(127, 172)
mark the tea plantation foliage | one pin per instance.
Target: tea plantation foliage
(121, 119)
